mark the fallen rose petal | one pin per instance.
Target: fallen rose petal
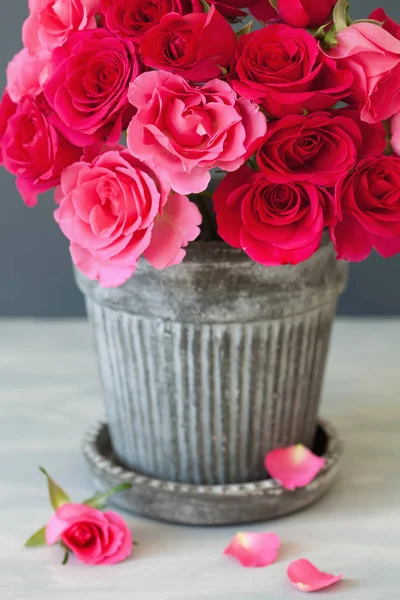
(293, 467)
(254, 549)
(307, 578)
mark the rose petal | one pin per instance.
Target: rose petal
(295, 466)
(254, 549)
(307, 578)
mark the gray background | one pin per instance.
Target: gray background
(35, 268)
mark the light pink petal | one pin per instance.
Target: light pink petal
(54, 529)
(294, 467)
(190, 183)
(254, 549)
(27, 74)
(307, 578)
(176, 226)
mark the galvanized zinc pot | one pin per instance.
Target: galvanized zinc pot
(208, 365)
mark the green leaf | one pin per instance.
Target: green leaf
(66, 557)
(37, 539)
(57, 495)
(274, 4)
(245, 29)
(319, 33)
(340, 14)
(100, 501)
(206, 6)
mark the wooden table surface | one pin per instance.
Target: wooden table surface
(49, 395)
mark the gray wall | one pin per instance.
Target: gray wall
(35, 268)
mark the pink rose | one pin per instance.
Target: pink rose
(133, 18)
(116, 209)
(274, 223)
(388, 24)
(373, 56)
(368, 210)
(7, 110)
(96, 538)
(51, 22)
(27, 74)
(88, 89)
(306, 13)
(188, 130)
(32, 149)
(319, 147)
(284, 69)
(395, 133)
(181, 44)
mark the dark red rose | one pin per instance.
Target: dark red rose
(391, 26)
(306, 13)
(195, 46)
(263, 11)
(368, 201)
(88, 88)
(32, 149)
(132, 18)
(283, 69)
(319, 147)
(274, 223)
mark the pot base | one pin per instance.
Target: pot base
(208, 505)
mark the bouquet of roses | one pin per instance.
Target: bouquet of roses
(301, 114)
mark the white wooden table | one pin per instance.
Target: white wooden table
(49, 394)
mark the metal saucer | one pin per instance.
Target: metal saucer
(190, 504)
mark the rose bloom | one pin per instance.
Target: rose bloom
(51, 22)
(319, 147)
(388, 24)
(231, 9)
(284, 69)
(306, 13)
(31, 148)
(262, 11)
(132, 18)
(27, 74)
(195, 46)
(369, 210)
(96, 538)
(87, 90)
(188, 130)
(373, 56)
(116, 209)
(274, 223)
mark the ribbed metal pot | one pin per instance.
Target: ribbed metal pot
(208, 365)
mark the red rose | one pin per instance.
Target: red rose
(274, 223)
(263, 11)
(306, 13)
(32, 149)
(132, 18)
(369, 210)
(319, 148)
(88, 88)
(388, 24)
(260, 9)
(194, 46)
(283, 68)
